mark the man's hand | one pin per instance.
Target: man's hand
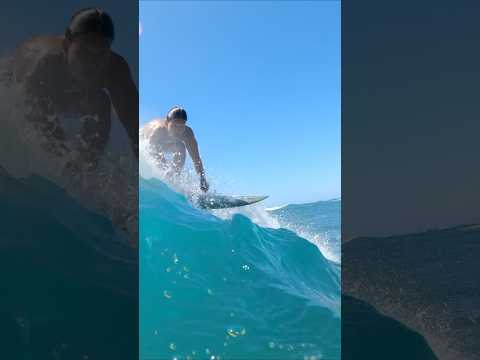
(204, 184)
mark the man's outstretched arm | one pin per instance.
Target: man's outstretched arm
(192, 147)
(124, 96)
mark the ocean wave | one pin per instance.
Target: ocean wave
(229, 288)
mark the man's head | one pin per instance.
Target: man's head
(88, 38)
(176, 119)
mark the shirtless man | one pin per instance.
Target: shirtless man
(172, 136)
(71, 81)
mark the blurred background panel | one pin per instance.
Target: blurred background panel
(68, 215)
(409, 180)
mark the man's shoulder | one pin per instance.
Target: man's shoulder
(156, 123)
(188, 134)
(188, 131)
(154, 126)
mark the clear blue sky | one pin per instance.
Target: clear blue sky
(261, 84)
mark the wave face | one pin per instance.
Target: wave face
(230, 289)
(67, 275)
(318, 221)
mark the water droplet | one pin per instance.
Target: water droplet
(235, 332)
(232, 332)
(210, 292)
(232, 314)
(155, 332)
(271, 345)
(246, 267)
(207, 351)
(167, 294)
(186, 269)
(168, 269)
(175, 259)
(186, 276)
(172, 346)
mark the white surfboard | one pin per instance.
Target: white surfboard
(216, 201)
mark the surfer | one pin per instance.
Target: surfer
(172, 136)
(70, 83)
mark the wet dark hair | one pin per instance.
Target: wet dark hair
(177, 112)
(90, 20)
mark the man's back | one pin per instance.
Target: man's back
(151, 127)
(31, 53)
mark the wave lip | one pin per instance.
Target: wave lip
(277, 207)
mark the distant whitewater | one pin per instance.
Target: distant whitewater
(227, 288)
(319, 222)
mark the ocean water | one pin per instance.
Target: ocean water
(67, 275)
(222, 286)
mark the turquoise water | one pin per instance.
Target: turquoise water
(214, 288)
(208, 287)
(70, 284)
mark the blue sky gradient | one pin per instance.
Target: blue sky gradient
(261, 84)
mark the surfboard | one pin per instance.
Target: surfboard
(216, 201)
